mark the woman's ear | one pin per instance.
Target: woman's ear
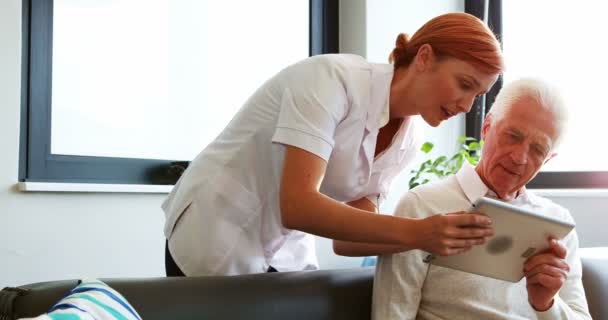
(425, 57)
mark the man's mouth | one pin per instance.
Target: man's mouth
(513, 172)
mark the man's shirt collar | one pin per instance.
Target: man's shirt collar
(474, 188)
(470, 182)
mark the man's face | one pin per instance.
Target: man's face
(516, 147)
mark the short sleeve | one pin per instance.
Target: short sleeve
(313, 103)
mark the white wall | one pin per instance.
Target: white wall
(590, 211)
(49, 236)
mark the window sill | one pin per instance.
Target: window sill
(91, 187)
(574, 193)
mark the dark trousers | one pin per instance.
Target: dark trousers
(171, 267)
(173, 270)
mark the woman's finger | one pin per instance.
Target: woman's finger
(471, 219)
(464, 243)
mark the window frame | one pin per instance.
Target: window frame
(474, 119)
(38, 164)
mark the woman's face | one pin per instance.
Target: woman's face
(447, 87)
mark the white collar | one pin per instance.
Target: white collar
(378, 113)
(385, 115)
(474, 188)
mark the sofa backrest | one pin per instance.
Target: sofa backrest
(325, 294)
(332, 294)
(595, 280)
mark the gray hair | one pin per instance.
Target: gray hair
(540, 91)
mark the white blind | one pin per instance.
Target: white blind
(159, 79)
(564, 42)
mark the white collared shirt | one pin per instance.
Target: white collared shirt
(223, 216)
(405, 287)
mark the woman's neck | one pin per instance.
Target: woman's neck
(401, 102)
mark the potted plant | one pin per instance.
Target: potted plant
(441, 167)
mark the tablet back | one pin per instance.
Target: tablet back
(518, 235)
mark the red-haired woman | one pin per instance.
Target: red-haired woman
(314, 150)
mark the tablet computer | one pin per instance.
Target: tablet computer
(518, 235)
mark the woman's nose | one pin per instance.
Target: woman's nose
(466, 103)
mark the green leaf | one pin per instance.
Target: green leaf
(474, 146)
(439, 160)
(460, 161)
(445, 165)
(472, 161)
(427, 147)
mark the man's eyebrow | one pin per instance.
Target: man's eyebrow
(515, 131)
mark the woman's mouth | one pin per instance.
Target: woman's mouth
(446, 113)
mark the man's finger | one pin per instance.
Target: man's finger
(548, 270)
(558, 248)
(546, 281)
(546, 258)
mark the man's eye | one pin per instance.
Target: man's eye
(539, 151)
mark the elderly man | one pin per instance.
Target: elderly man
(521, 133)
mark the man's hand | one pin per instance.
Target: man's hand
(545, 274)
(452, 233)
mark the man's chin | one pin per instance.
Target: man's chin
(505, 192)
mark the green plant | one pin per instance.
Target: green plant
(442, 166)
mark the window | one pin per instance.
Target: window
(117, 91)
(560, 41)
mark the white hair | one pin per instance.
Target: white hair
(546, 95)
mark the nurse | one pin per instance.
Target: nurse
(314, 150)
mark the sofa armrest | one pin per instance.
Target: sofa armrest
(595, 280)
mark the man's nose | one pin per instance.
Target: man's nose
(519, 155)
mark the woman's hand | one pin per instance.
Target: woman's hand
(452, 233)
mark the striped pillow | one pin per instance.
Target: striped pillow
(91, 300)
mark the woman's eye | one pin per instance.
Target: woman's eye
(465, 86)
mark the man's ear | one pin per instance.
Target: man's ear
(424, 57)
(486, 125)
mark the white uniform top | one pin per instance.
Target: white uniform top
(223, 215)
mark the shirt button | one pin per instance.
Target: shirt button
(362, 181)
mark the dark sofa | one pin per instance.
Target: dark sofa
(325, 294)
(334, 294)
